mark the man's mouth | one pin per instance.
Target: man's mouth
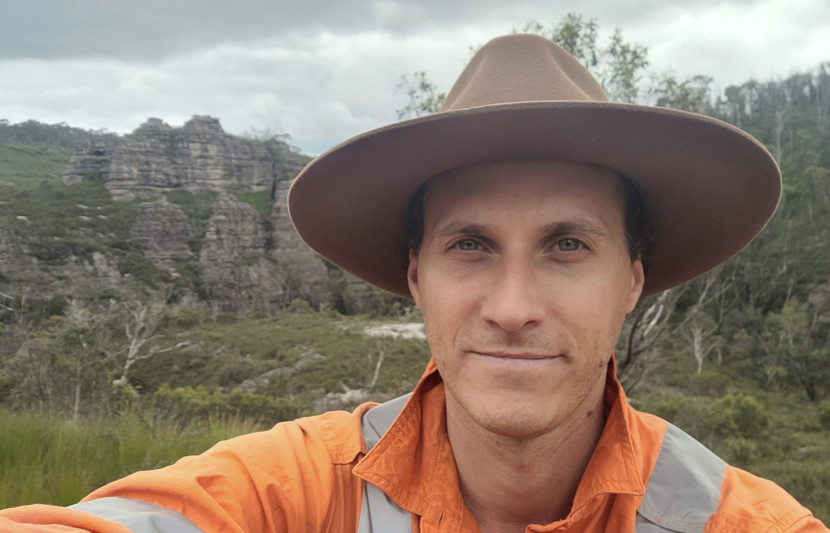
(526, 356)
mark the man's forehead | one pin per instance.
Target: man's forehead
(527, 182)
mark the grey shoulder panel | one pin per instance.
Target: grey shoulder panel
(377, 420)
(138, 516)
(684, 488)
(378, 513)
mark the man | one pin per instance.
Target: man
(529, 216)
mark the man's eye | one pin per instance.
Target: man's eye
(568, 245)
(467, 245)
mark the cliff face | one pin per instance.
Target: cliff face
(233, 259)
(303, 272)
(162, 230)
(242, 262)
(199, 156)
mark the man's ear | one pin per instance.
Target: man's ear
(638, 279)
(412, 277)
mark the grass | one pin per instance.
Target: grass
(47, 460)
(22, 164)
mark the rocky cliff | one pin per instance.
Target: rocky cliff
(233, 259)
(199, 156)
(163, 231)
(304, 273)
(203, 225)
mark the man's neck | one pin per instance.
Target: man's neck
(508, 483)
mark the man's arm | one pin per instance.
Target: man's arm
(290, 478)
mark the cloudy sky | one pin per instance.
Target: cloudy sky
(324, 70)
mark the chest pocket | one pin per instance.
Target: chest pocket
(681, 495)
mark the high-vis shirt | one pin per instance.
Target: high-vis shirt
(393, 470)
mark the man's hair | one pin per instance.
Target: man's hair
(636, 222)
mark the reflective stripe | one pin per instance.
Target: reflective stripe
(378, 513)
(684, 487)
(138, 516)
(682, 492)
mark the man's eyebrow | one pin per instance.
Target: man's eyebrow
(560, 227)
(461, 228)
(574, 225)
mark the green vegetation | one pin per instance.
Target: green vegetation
(260, 200)
(46, 459)
(53, 135)
(58, 222)
(29, 165)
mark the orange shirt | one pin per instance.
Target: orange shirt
(307, 475)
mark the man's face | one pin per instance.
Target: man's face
(524, 280)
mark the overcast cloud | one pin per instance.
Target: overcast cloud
(324, 70)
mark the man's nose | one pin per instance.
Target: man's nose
(514, 300)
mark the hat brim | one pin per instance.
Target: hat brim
(709, 187)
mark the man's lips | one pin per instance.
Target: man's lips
(526, 356)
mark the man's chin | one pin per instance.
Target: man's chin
(518, 421)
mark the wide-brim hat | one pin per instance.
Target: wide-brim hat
(709, 187)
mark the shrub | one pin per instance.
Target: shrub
(188, 318)
(667, 408)
(41, 310)
(137, 266)
(710, 383)
(824, 413)
(739, 415)
(298, 306)
(188, 403)
(741, 451)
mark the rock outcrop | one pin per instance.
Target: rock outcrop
(233, 262)
(163, 231)
(304, 273)
(199, 156)
(13, 255)
(106, 272)
(90, 158)
(245, 263)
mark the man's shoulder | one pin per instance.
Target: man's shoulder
(736, 499)
(339, 431)
(336, 432)
(751, 503)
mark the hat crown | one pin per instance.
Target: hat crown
(522, 68)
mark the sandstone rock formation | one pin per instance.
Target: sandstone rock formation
(233, 262)
(162, 230)
(199, 156)
(106, 272)
(91, 157)
(244, 266)
(13, 255)
(304, 273)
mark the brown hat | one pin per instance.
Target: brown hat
(709, 187)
